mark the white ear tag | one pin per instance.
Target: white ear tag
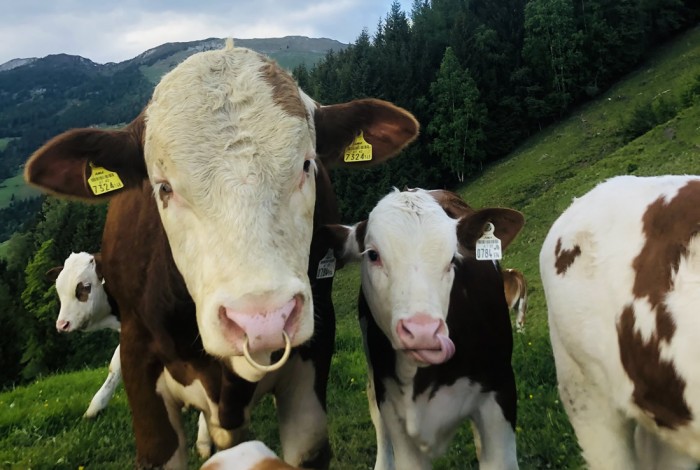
(326, 267)
(488, 247)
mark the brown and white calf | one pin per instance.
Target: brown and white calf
(621, 274)
(436, 327)
(86, 306)
(209, 244)
(250, 455)
(515, 288)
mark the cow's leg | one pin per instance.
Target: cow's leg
(604, 435)
(654, 454)
(104, 394)
(406, 455)
(204, 443)
(385, 452)
(302, 417)
(157, 439)
(495, 435)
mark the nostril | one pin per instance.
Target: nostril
(404, 330)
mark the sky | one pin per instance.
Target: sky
(118, 30)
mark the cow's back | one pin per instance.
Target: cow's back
(621, 275)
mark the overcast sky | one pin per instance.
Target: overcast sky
(117, 30)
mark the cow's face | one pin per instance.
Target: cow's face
(81, 292)
(408, 262)
(409, 249)
(230, 151)
(231, 147)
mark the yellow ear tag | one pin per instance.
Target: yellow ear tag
(103, 181)
(359, 150)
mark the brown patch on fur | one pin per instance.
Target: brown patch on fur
(285, 91)
(82, 292)
(453, 205)
(565, 258)
(657, 387)
(669, 227)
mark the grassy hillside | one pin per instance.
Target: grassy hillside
(40, 425)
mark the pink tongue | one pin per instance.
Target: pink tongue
(435, 356)
(264, 331)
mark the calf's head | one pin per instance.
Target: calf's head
(409, 249)
(80, 288)
(230, 146)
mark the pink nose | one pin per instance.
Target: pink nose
(263, 330)
(426, 337)
(62, 325)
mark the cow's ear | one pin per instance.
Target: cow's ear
(63, 165)
(507, 224)
(53, 273)
(346, 241)
(386, 127)
(97, 259)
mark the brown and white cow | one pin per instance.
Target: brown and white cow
(621, 273)
(515, 289)
(436, 327)
(208, 245)
(86, 306)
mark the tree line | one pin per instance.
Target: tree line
(480, 76)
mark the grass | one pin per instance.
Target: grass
(16, 187)
(41, 424)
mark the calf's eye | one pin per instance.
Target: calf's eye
(165, 188)
(373, 256)
(307, 165)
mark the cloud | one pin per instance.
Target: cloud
(107, 31)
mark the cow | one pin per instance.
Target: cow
(620, 273)
(216, 191)
(435, 325)
(515, 288)
(250, 455)
(86, 306)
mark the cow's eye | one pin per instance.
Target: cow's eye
(165, 188)
(373, 256)
(307, 165)
(454, 260)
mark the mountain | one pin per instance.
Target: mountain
(40, 98)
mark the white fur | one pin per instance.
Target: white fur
(235, 164)
(585, 305)
(245, 456)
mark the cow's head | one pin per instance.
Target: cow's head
(409, 249)
(80, 288)
(230, 146)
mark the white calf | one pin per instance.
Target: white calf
(85, 306)
(621, 275)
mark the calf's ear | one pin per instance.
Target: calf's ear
(347, 242)
(53, 273)
(63, 165)
(97, 259)
(507, 224)
(386, 127)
